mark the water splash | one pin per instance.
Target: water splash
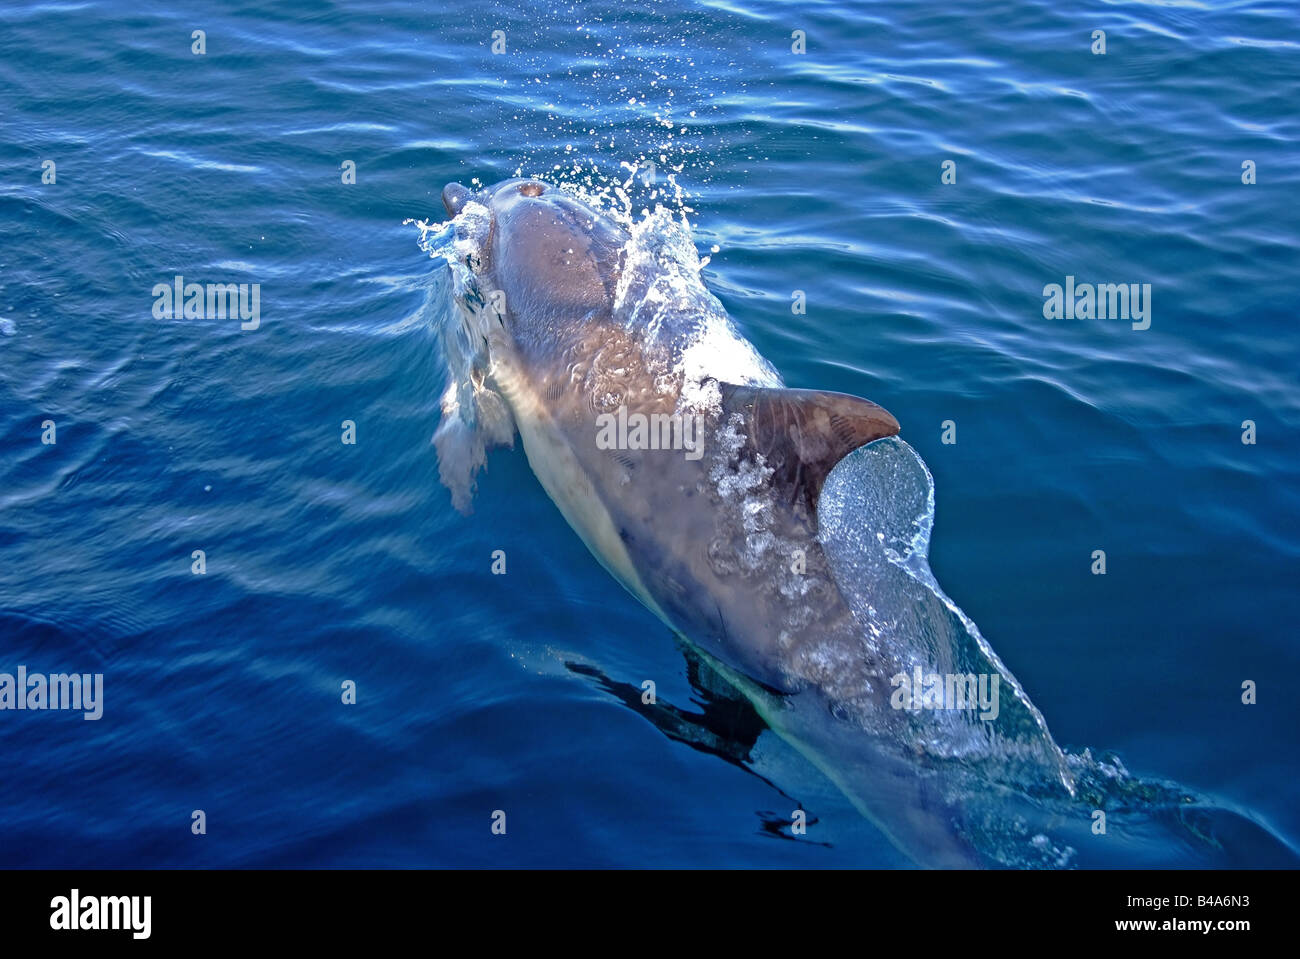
(1024, 801)
(875, 515)
(660, 296)
(475, 417)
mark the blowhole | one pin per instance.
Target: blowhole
(532, 189)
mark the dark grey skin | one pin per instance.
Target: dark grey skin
(723, 548)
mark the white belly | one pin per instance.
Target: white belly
(569, 486)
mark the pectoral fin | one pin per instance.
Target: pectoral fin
(802, 434)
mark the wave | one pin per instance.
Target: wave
(1023, 801)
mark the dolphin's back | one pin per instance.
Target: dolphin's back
(721, 544)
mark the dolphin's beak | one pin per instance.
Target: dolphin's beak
(454, 196)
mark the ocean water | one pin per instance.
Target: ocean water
(818, 172)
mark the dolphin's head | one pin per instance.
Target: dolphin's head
(546, 246)
(497, 197)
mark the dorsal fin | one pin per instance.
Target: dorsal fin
(802, 434)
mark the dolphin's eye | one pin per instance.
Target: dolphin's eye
(531, 189)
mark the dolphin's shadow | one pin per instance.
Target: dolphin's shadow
(1156, 820)
(727, 726)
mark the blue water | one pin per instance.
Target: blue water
(818, 172)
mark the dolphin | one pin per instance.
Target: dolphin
(694, 475)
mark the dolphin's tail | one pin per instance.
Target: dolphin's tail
(906, 801)
(951, 814)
